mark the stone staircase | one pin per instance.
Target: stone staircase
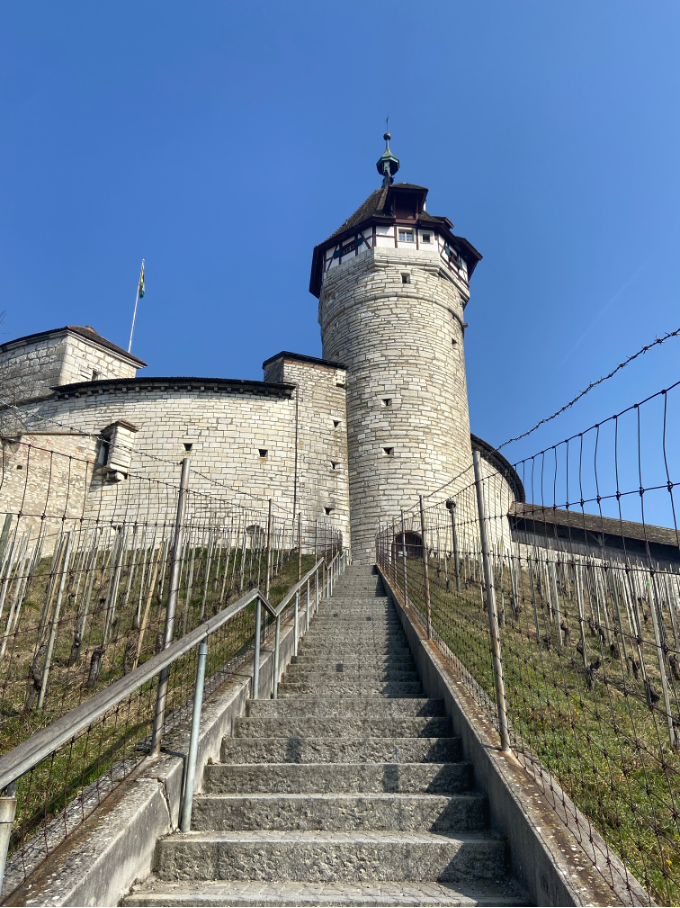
(347, 790)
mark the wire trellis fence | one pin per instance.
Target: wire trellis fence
(86, 576)
(577, 595)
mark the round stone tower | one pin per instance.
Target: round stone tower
(393, 283)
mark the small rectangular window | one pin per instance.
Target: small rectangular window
(339, 384)
(328, 511)
(95, 375)
(427, 238)
(405, 236)
(334, 464)
(336, 423)
(406, 278)
(387, 401)
(389, 452)
(263, 452)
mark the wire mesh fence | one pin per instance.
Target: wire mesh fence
(585, 581)
(85, 574)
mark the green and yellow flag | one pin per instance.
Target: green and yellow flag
(141, 281)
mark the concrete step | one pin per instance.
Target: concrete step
(343, 895)
(368, 605)
(345, 706)
(367, 624)
(342, 778)
(317, 676)
(340, 812)
(346, 602)
(341, 750)
(330, 856)
(353, 635)
(346, 689)
(358, 614)
(354, 660)
(345, 727)
(343, 649)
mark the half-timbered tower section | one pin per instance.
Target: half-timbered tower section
(393, 284)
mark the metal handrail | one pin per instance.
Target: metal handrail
(22, 758)
(28, 754)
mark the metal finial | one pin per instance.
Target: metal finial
(388, 164)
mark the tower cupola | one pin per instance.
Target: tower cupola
(388, 165)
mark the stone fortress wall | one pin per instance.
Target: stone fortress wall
(32, 366)
(349, 439)
(395, 318)
(243, 437)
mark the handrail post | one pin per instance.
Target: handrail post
(277, 644)
(451, 505)
(173, 592)
(307, 622)
(8, 809)
(491, 603)
(316, 591)
(258, 634)
(299, 547)
(267, 577)
(297, 623)
(188, 801)
(403, 554)
(426, 570)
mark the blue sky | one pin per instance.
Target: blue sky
(222, 141)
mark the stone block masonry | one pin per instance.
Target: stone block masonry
(408, 429)
(243, 437)
(322, 486)
(31, 366)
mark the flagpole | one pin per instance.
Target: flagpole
(134, 317)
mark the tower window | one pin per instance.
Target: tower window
(387, 401)
(406, 278)
(328, 511)
(389, 452)
(95, 375)
(405, 236)
(334, 464)
(263, 452)
(336, 423)
(427, 238)
(339, 384)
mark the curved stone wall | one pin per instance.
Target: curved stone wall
(395, 319)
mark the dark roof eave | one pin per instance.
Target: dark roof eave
(473, 255)
(80, 332)
(504, 467)
(209, 384)
(610, 526)
(302, 357)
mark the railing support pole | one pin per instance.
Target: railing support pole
(188, 801)
(426, 571)
(307, 623)
(268, 568)
(403, 555)
(258, 634)
(173, 592)
(451, 505)
(316, 591)
(297, 623)
(277, 643)
(8, 809)
(491, 608)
